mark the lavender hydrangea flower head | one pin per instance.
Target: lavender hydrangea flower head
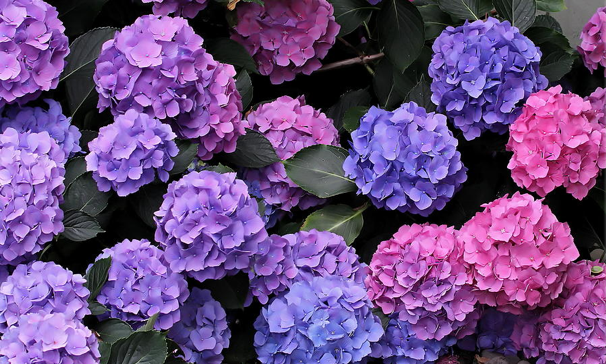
(405, 160)
(202, 333)
(129, 153)
(286, 37)
(270, 214)
(34, 48)
(592, 48)
(208, 225)
(140, 285)
(482, 73)
(321, 320)
(493, 333)
(185, 8)
(290, 125)
(49, 338)
(37, 119)
(31, 175)
(42, 287)
(157, 66)
(597, 99)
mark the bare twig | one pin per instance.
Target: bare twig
(350, 62)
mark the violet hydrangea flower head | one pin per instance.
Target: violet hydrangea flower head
(208, 225)
(597, 99)
(557, 142)
(42, 287)
(140, 285)
(482, 73)
(420, 275)
(592, 48)
(286, 37)
(202, 333)
(130, 152)
(34, 48)
(184, 8)
(49, 338)
(157, 66)
(318, 320)
(493, 333)
(290, 125)
(518, 252)
(405, 160)
(31, 176)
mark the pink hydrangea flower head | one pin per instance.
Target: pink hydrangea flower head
(592, 48)
(518, 252)
(557, 142)
(184, 8)
(598, 106)
(290, 125)
(420, 275)
(286, 37)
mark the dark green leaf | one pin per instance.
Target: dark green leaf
(187, 153)
(83, 195)
(105, 350)
(74, 168)
(346, 102)
(253, 150)
(174, 353)
(78, 15)
(97, 276)
(542, 36)
(466, 9)
(219, 168)
(351, 13)
(435, 20)
(96, 308)
(556, 64)
(339, 219)
(149, 324)
(389, 85)
(351, 120)
(112, 330)
(147, 201)
(229, 51)
(547, 21)
(142, 347)
(290, 228)
(521, 13)
(421, 94)
(551, 6)
(245, 88)
(230, 291)
(80, 226)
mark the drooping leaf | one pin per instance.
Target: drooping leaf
(96, 308)
(229, 51)
(74, 168)
(83, 195)
(551, 6)
(339, 219)
(112, 330)
(547, 21)
(421, 94)
(466, 9)
(435, 20)
(253, 150)
(97, 276)
(149, 324)
(141, 347)
(351, 13)
(245, 88)
(521, 13)
(351, 120)
(187, 153)
(79, 226)
(556, 64)
(346, 102)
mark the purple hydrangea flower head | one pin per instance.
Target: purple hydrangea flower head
(185, 8)
(208, 225)
(286, 37)
(49, 338)
(157, 66)
(141, 284)
(42, 287)
(202, 333)
(129, 153)
(405, 160)
(493, 333)
(269, 213)
(31, 176)
(482, 73)
(34, 48)
(5, 272)
(37, 119)
(318, 320)
(290, 125)
(592, 48)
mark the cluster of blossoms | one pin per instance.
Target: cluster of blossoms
(482, 72)
(493, 333)
(208, 225)
(34, 48)
(592, 48)
(157, 66)
(185, 8)
(129, 153)
(271, 214)
(518, 253)
(420, 275)
(141, 285)
(286, 37)
(290, 125)
(319, 320)
(31, 176)
(597, 99)
(557, 142)
(405, 160)
(202, 333)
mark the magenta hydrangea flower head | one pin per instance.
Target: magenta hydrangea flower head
(405, 160)
(290, 125)
(420, 275)
(209, 226)
(318, 320)
(184, 8)
(286, 37)
(592, 48)
(34, 48)
(130, 152)
(31, 175)
(42, 287)
(597, 99)
(141, 284)
(482, 73)
(557, 142)
(49, 338)
(518, 252)
(157, 66)
(202, 333)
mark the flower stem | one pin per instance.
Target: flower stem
(364, 60)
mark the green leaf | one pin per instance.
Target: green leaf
(339, 219)
(421, 94)
(346, 102)
(112, 330)
(141, 347)
(230, 292)
(78, 15)
(556, 65)
(187, 153)
(149, 324)
(290, 227)
(435, 20)
(466, 9)
(96, 308)
(351, 120)
(74, 168)
(253, 150)
(83, 195)
(351, 13)
(542, 36)
(147, 201)
(551, 6)
(219, 168)
(245, 88)
(318, 169)
(401, 32)
(97, 276)
(105, 350)
(79, 226)
(547, 21)
(390, 86)
(229, 51)
(521, 13)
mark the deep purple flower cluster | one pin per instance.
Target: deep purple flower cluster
(269, 213)
(493, 333)
(185, 8)
(31, 176)
(42, 287)
(157, 66)
(482, 73)
(319, 320)
(208, 225)
(129, 153)
(33, 50)
(405, 160)
(202, 333)
(141, 285)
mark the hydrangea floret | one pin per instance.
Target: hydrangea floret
(184, 8)
(592, 48)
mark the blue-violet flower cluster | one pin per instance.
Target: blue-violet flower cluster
(493, 333)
